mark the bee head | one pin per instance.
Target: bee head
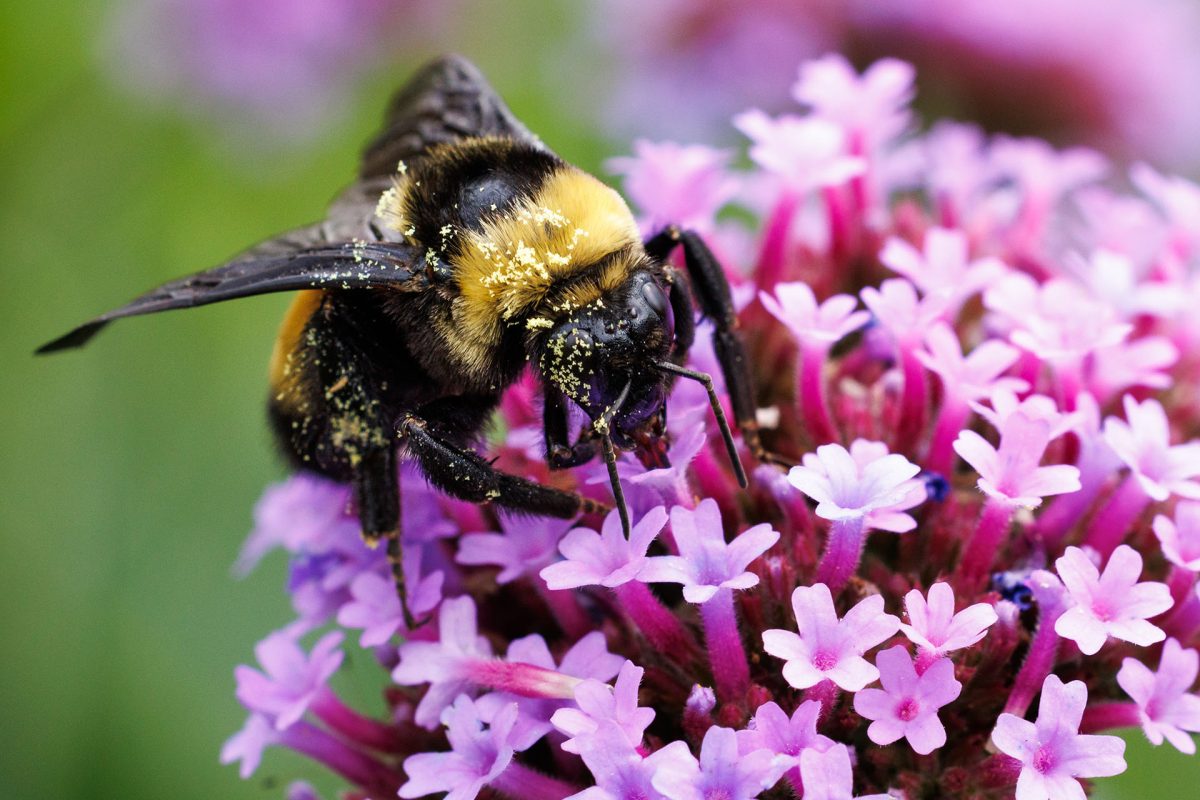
(602, 356)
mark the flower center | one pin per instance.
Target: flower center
(824, 660)
(720, 793)
(1043, 760)
(908, 709)
(1102, 611)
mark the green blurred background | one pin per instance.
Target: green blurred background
(130, 469)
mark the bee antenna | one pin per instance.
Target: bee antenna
(602, 426)
(718, 412)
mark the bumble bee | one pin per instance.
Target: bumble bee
(465, 251)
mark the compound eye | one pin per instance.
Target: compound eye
(652, 293)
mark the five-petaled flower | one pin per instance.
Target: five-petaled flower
(907, 705)
(1166, 708)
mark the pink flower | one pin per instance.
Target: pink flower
(247, 745)
(478, 756)
(828, 775)
(1043, 173)
(974, 376)
(599, 704)
(1142, 362)
(1109, 604)
(901, 313)
(526, 545)
(606, 558)
(720, 771)
(827, 648)
(1012, 473)
(907, 705)
(872, 107)
(293, 680)
(944, 266)
(807, 153)
(706, 563)
(1166, 708)
(936, 629)
(1036, 407)
(1180, 538)
(1143, 442)
(1056, 321)
(375, 607)
(1052, 752)
(772, 729)
(443, 664)
(676, 184)
(864, 482)
(827, 323)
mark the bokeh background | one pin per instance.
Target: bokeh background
(143, 139)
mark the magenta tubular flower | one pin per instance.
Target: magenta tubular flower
(1110, 604)
(907, 705)
(1052, 752)
(858, 490)
(817, 327)
(1086, 290)
(828, 648)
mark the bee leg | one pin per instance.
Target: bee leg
(466, 475)
(377, 487)
(560, 454)
(712, 290)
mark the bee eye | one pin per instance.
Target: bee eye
(654, 297)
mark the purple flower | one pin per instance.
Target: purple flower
(1166, 708)
(772, 729)
(944, 266)
(525, 546)
(828, 775)
(864, 482)
(828, 648)
(305, 513)
(1109, 604)
(247, 745)
(1180, 538)
(1052, 753)
(375, 607)
(676, 184)
(622, 774)
(606, 558)
(871, 107)
(478, 756)
(1143, 442)
(599, 704)
(706, 562)
(292, 681)
(443, 664)
(1037, 407)
(907, 705)
(1011, 474)
(901, 313)
(795, 305)
(720, 771)
(936, 629)
(588, 659)
(1055, 321)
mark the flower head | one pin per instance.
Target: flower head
(1143, 442)
(292, 679)
(1180, 537)
(1110, 604)
(943, 266)
(875, 485)
(606, 558)
(795, 305)
(1166, 707)
(1012, 473)
(907, 705)
(772, 729)
(676, 184)
(477, 757)
(1052, 752)
(936, 629)
(720, 771)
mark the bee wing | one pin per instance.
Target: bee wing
(447, 100)
(280, 265)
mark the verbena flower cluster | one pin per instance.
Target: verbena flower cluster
(979, 355)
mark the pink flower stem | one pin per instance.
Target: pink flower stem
(1184, 620)
(564, 607)
(1068, 381)
(1182, 583)
(358, 768)
(985, 542)
(1112, 523)
(913, 404)
(1039, 660)
(772, 256)
(357, 728)
(839, 225)
(726, 653)
(951, 419)
(811, 392)
(825, 693)
(522, 783)
(925, 660)
(662, 628)
(526, 680)
(1107, 716)
(1066, 510)
(843, 552)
